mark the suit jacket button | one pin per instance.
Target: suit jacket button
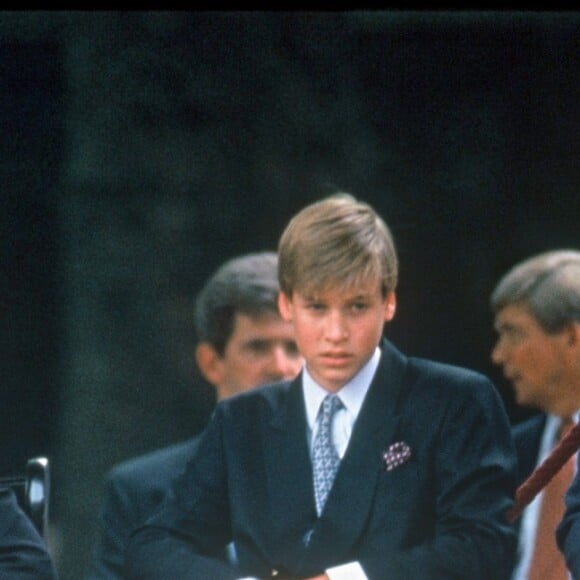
(274, 573)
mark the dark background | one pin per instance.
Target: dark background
(141, 149)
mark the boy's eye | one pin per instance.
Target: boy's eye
(359, 306)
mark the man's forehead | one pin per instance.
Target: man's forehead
(263, 318)
(513, 315)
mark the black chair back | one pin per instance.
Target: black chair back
(32, 489)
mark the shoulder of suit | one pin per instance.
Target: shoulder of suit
(532, 424)
(266, 393)
(446, 373)
(420, 367)
(154, 461)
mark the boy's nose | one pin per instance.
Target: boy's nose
(336, 328)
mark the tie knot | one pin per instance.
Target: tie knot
(330, 405)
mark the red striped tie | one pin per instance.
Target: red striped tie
(547, 561)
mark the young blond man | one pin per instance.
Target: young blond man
(368, 465)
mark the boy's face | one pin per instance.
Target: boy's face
(337, 331)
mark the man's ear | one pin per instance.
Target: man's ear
(572, 331)
(390, 306)
(210, 363)
(285, 307)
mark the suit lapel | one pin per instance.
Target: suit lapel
(352, 496)
(289, 474)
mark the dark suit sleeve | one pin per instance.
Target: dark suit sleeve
(187, 536)
(568, 532)
(23, 553)
(527, 437)
(117, 518)
(133, 491)
(474, 473)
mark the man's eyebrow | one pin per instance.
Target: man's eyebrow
(502, 326)
(257, 340)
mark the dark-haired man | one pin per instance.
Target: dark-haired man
(241, 343)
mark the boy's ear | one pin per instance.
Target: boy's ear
(210, 363)
(390, 306)
(285, 307)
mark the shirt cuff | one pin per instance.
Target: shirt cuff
(350, 571)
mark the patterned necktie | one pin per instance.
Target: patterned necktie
(325, 458)
(547, 561)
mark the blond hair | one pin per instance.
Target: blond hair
(338, 241)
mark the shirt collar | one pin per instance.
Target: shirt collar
(352, 394)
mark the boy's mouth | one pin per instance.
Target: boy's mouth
(336, 358)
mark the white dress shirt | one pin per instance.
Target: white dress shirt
(352, 395)
(529, 524)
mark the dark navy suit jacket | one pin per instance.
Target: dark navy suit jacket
(133, 490)
(440, 515)
(528, 438)
(568, 532)
(23, 552)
